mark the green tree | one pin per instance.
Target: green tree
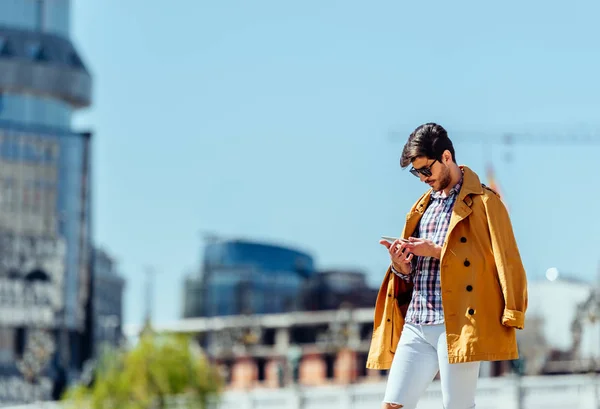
(159, 369)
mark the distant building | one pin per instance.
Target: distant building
(245, 277)
(45, 237)
(108, 301)
(333, 289)
(562, 327)
(329, 343)
(193, 297)
(272, 350)
(311, 348)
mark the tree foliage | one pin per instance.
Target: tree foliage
(159, 369)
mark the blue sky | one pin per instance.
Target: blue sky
(271, 120)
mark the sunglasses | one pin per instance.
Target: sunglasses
(425, 170)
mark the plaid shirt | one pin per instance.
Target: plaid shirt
(426, 305)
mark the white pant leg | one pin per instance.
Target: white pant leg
(458, 381)
(414, 366)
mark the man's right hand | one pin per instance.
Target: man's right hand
(400, 261)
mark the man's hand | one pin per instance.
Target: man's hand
(400, 259)
(424, 248)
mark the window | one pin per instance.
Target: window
(55, 17)
(34, 109)
(50, 16)
(8, 194)
(36, 52)
(5, 48)
(39, 15)
(75, 61)
(7, 345)
(19, 14)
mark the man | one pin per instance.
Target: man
(456, 289)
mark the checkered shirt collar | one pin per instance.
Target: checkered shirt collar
(454, 191)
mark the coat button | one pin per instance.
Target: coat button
(467, 263)
(463, 239)
(471, 311)
(389, 295)
(388, 320)
(469, 288)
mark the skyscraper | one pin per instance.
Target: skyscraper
(44, 201)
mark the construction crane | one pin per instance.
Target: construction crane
(582, 136)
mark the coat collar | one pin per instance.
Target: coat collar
(440, 194)
(471, 185)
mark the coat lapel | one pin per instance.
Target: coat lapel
(412, 218)
(462, 207)
(460, 212)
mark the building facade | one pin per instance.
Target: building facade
(333, 289)
(108, 301)
(45, 263)
(245, 277)
(312, 348)
(325, 347)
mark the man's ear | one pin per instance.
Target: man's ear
(447, 156)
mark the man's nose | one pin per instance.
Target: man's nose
(422, 178)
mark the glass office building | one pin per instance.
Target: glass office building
(334, 289)
(244, 277)
(45, 248)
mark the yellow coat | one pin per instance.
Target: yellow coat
(483, 282)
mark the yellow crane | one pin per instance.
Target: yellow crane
(581, 135)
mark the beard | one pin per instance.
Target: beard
(444, 180)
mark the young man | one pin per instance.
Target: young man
(455, 291)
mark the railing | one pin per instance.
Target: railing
(568, 392)
(548, 392)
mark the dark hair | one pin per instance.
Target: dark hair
(429, 140)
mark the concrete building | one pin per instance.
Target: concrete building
(324, 347)
(562, 327)
(309, 348)
(45, 272)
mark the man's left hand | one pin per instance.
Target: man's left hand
(424, 248)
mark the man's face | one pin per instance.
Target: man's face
(439, 178)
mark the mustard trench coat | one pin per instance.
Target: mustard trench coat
(483, 282)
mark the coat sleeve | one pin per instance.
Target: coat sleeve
(511, 273)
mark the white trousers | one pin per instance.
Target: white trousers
(421, 352)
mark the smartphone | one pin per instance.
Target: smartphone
(393, 239)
